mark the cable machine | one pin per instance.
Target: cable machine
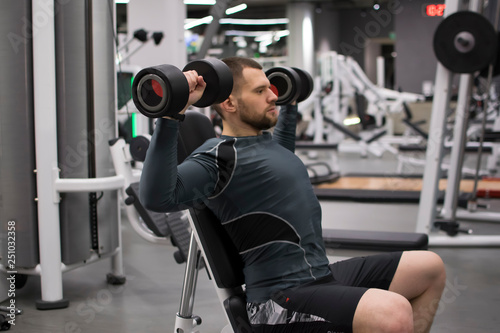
(56, 167)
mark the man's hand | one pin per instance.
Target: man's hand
(196, 89)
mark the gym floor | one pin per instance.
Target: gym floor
(149, 300)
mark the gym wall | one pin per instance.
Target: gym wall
(158, 15)
(345, 31)
(416, 61)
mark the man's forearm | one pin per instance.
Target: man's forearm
(159, 174)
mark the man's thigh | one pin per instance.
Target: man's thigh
(334, 298)
(329, 304)
(376, 271)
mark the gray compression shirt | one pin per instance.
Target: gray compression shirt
(260, 191)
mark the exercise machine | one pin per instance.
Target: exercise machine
(427, 220)
(58, 187)
(346, 81)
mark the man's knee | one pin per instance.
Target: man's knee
(435, 269)
(438, 265)
(419, 271)
(399, 317)
(383, 311)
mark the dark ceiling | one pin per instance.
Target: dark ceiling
(277, 8)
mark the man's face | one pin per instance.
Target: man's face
(257, 102)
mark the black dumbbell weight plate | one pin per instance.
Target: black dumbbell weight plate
(306, 84)
(465, 42)
(218, 78)
(287, 82)
(160, 91)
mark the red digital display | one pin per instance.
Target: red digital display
(435, 9)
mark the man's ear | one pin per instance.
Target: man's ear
(229, 105)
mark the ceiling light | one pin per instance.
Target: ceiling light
(351, 121)
(191, 23)
(281, 33)
(269, 37)
(121, 1)
(194, 23)
(236, 9)
(254, 21)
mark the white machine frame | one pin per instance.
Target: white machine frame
(122, 161)
(428, 211)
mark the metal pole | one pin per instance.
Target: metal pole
(435, 148)
(190, 278)
(457, 152)
(459, 141)
(435, 144)
(44, 88)
(485, 108)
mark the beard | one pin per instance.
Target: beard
(259, 121)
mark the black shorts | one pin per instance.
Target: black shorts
(328, 304)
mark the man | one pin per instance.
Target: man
(260, 191)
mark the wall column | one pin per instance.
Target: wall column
(301, 52)
(166, 16)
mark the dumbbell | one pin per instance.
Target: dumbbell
(164, 91)
(290, 84)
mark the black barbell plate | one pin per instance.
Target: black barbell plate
(473, 54)
(306, 84)
(218, 78)
(496, 63)
(160, 91)
(138, 147)
(287, 81)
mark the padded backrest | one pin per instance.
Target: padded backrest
(193, 132)
(220, 253)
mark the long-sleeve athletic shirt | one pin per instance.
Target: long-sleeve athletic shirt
(259, 190)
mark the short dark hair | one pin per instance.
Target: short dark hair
(236, 65)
